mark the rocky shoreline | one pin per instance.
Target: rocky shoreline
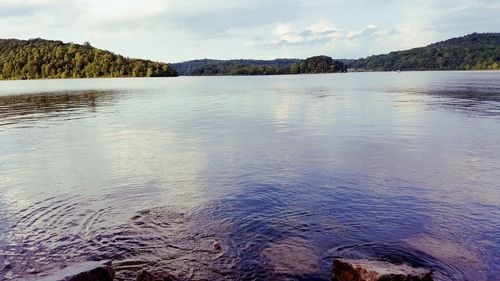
(342, 270)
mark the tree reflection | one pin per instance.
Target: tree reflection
(20, 108)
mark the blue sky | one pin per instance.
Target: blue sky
(174, 31)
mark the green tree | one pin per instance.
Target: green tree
(38, 58)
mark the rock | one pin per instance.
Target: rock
(85, 271)
(101, 273)
(35, 268)
(369, 270)
(6, 266)
(292, 256)
(156, 276)
(216, 246)
(145, 276)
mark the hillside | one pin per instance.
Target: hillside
(206, 67)
(318, 64)
(40, 59)
(209, 67)
(477, 51)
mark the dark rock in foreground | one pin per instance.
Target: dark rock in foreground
(101, 273)
(368, 270)
(86, 271)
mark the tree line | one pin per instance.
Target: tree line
(41, 59)
(318, 64)
(472, 52)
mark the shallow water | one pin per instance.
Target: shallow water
(285, 172)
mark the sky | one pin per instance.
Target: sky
(174, 31)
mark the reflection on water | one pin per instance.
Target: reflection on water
(481, 101)
(15, 109)
(473, 94)
(284, 173)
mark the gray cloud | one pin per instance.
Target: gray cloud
(13, 9)
(477, 15)
(211, 21)
(10, 8)
(245, 15)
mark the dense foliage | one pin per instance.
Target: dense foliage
(320, 64)
(38, 58)
(472, 52)
(207, 67)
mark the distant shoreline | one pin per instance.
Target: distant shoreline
(38, 59)
(257, 75)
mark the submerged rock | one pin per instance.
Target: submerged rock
(292, 256)
(368, 270)
(216, 246)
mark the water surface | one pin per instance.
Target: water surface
(285, 172)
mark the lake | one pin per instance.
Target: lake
(284, 172)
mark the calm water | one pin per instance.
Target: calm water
(285, 172)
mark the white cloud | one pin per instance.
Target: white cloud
(320, 31)
(322, 26)
(282, 29)
(368, 31)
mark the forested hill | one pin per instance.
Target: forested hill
(209, 67)
(39, 59)
(206, 67)
(477, 51)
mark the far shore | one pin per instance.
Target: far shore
(257, 75)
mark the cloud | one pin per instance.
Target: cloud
(282, 29)
(11, 8)
(236, 15)
(213, 19)
(368, 31)
(469, 17)
(172, 30)
(323, 26)
(319, 32)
